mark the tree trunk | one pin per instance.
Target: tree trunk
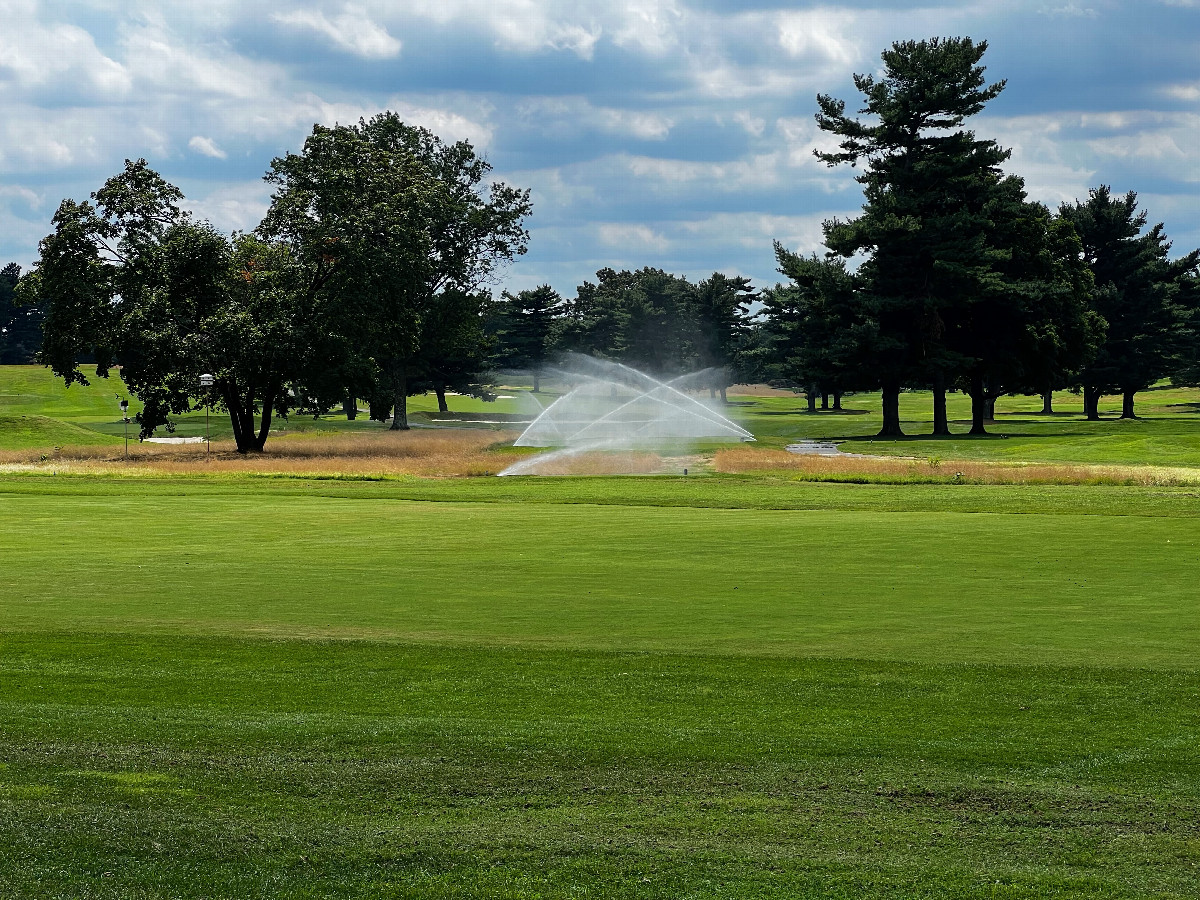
(241, 417)
(724, 398)
(350, 406)
(837, 401)
(399, 397)
(1091, 403)
(264, 423)
(979, 404)
(712, 393)
(991, 408)
(941, 423)
(537, 382)
(891, 410)
(811, 395)
(824, 399)
(440, 390)
(1127, 404)
(1048, 403)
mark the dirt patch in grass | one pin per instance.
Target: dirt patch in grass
(814, 467)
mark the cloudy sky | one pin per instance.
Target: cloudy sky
(671, 133)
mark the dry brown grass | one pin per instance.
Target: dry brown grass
(601, 463)
(886, 469)
(445, 452)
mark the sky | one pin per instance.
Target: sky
(669, 133)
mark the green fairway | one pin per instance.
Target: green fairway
(933, 586)
(145, 767)
(598, 687)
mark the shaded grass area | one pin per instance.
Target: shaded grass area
(172, 767)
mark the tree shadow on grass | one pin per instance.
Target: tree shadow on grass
(957, 436)
(814, 412)
(1033, 412)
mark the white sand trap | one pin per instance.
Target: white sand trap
(175, 440)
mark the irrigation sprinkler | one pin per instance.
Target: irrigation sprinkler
(206, 383)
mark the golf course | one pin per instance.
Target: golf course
(316, 673)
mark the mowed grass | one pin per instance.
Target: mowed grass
(665, 687)
(950, 586)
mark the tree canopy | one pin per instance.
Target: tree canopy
(394, 227)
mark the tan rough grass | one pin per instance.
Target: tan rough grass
(602, 463)
(445, 452)
(888, 469)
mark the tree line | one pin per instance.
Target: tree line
(368, 279)
(952, 278)
(365, 279)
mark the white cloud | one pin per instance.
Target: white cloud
(54, 55)
(822, 34)
(165, 64)
(1071, 10)
(351, 30)
(1189, 92)
(570, 115)
(633, 238)
(206, 147)
(234, 206)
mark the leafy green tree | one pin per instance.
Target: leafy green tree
(1135, 288)
(386, 217)
(922, 243)
(524, 328)
(132, 281)
(20, 325)
(1185, 367)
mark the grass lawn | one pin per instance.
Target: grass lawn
(720, 687)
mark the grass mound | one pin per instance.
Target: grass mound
(20, 432)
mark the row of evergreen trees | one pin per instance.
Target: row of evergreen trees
(962, 281)
(649, 319)
(951, 278)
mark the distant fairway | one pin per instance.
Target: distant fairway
(716, 687)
